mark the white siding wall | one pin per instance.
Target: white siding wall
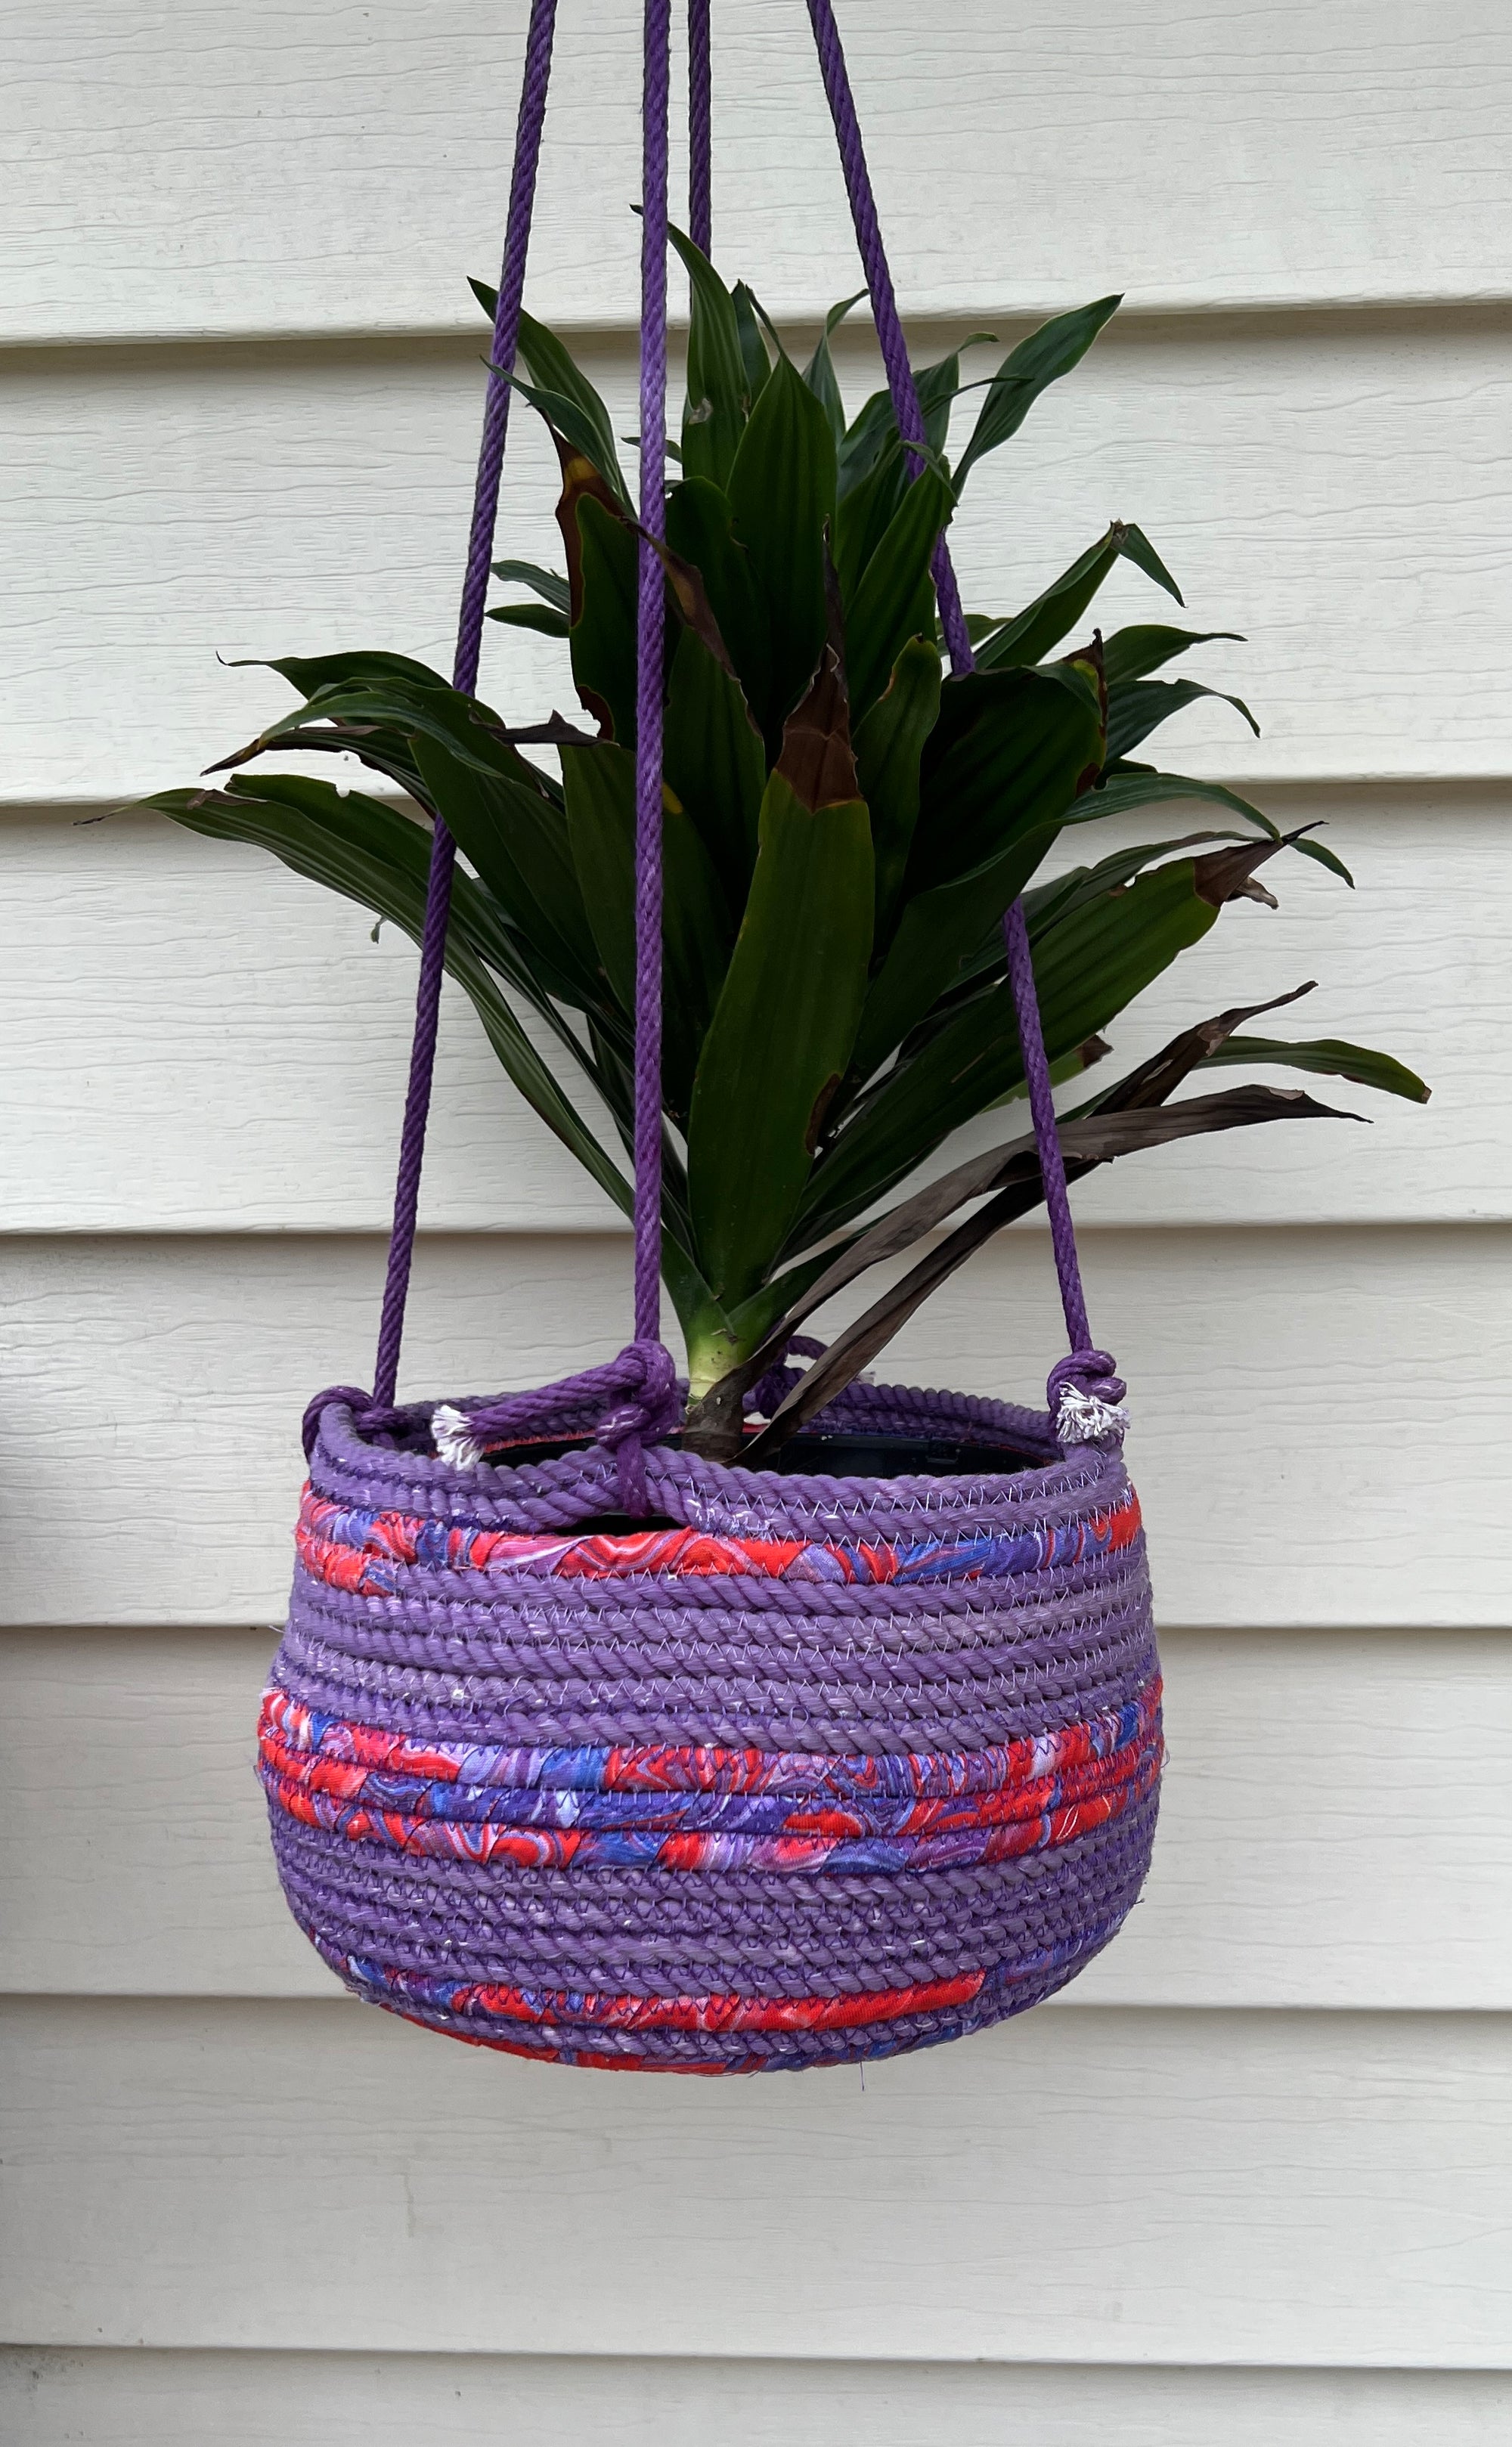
(1247, 2181)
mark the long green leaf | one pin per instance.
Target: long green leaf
(893, 599)
(505, 814)
(889, 745)
(1010, 749)
(548, 583)
(697, 925)
(1027, 370)
(1322, 856)
(603, 636)
(575, 425)
(715, 406)
(700, 531)
(1087, 970)
(310, 672)
(781, 496)
(1131, 653)
(781, 1034)
(1000, 775)
(1135, 708)
(518, 842)
(1329, 1057)
(1121, 794)
(539, 617)
(1049, 904)
(312, 829)
(873, 434)
(820, 371)
(712, 761)
(1031, 634)
(753, 356)
(556, 374)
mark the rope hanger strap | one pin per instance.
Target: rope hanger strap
(1084, 1390)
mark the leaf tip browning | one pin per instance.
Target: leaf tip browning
(817, 762)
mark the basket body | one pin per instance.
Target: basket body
(830, 1768)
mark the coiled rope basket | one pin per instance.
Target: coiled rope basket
(793, 1769)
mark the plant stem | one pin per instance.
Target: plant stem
(713, 1428)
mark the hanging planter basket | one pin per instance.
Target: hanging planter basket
(827, 1767)
(792, 1765)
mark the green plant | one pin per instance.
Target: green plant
(845, 827)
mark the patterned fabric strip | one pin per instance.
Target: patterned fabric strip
(294, 1732)
(367, 1553)
(758, 1832)
(410, 1799)
(548, 2025)
(710, 2013)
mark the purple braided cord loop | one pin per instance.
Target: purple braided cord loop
(953, 620)
(359, 1403)
(1046, 1135)
(771, 1390)
(465, 677)
(700, 120)
(884, 302)
(650, 641)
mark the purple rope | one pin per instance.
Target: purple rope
(650, 623)
(952, 619)
(700, 120)
(884, 302)
(465, 677)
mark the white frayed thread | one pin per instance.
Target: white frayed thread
(1083, 1419)
(451, 1433)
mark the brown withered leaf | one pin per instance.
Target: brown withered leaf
(1153, 1080)
(1096, 1139)
(691, 598)
(556, 732)
(1229, 874)
(816, 761)
(580, 480)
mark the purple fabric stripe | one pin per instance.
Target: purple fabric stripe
(465, 677)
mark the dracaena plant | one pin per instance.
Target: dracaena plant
(845, 827)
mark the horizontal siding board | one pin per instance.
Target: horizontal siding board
(143, 2399)
(1308, 1856)
(1307, 488)
(1302, 1443)
(1347, 153)
(1273, 2188)
(153, 1094)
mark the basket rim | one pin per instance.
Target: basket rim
(695, 1492)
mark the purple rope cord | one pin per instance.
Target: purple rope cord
(650, 628)
(700, 115)
(465, 677)
(1090, 1371)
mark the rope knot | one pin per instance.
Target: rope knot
(640, 1384)
(655, 1406)
(1085, 1395)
